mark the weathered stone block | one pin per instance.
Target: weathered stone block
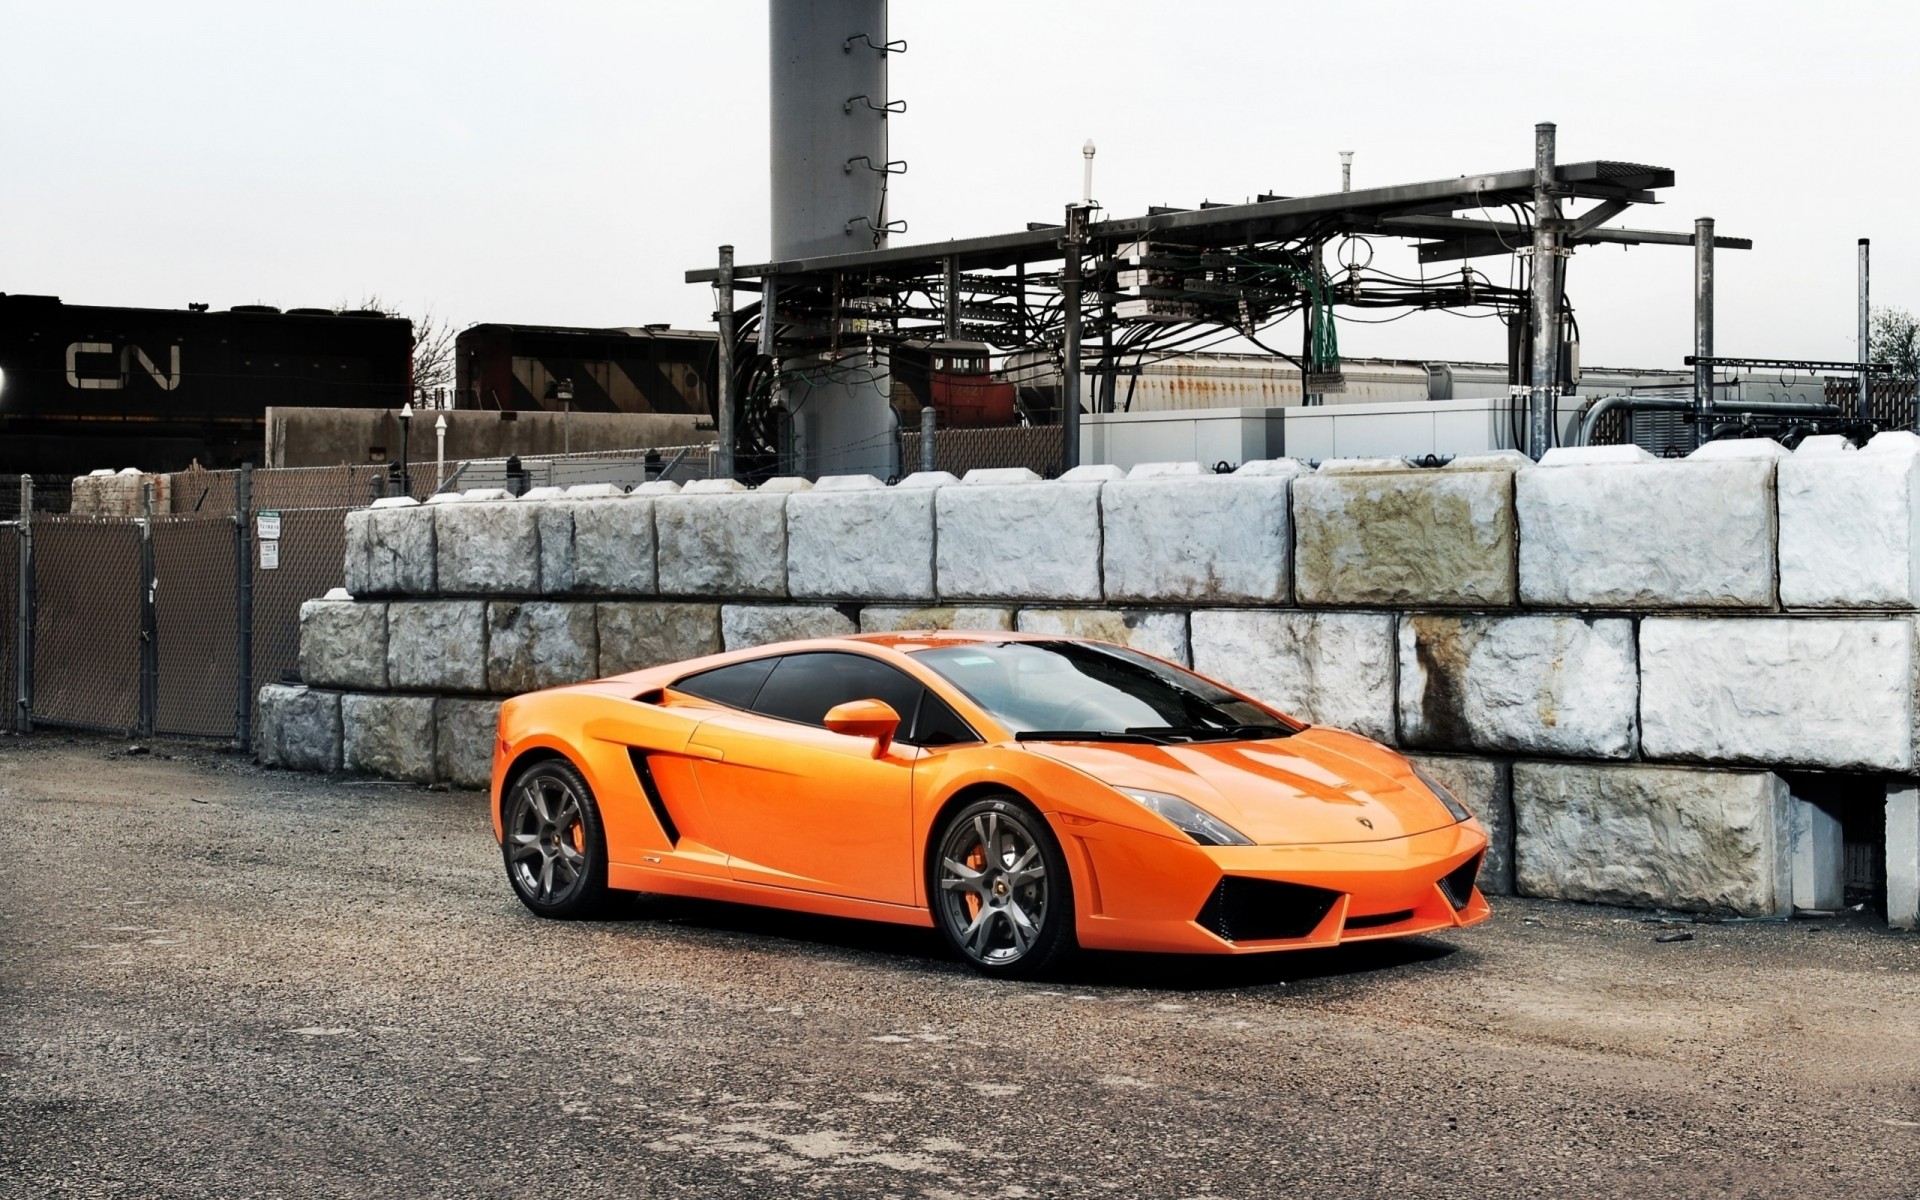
(880, 618)
(1803, 691)
(390, 736)
(848, 542)
(1550, 685)
(1485, 786)
(633, 636)
(539, 644)
(1329, 668)
(1648, 534)
(359, 547)
(1903, 854)
(1850, 528)
(1653, 837)
(1406, 536)
(1198, 539)
(1020, 541)
(613, 547)
(400, 549)
(463, 741)
(437, 646)
(553, 533)
(746, 625)
(1819, 858)
(343, 644)
(1162, 634)
(722, 544)
(299, 728)
(488, 548)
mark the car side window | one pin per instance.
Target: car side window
(803, 687)
(939, 725)
(735, 686)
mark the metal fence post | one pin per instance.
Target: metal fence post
(927, 433)
(23, 621)
(243, 614)
(149, 619)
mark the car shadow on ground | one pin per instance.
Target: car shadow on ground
(925, 949)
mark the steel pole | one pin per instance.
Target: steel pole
(149, 619)
(950, 318)
(929, 435)
(440, 452)
(243, 607)
(1703, 326)
(1866, 337)
(23, 617)
(1070, 347)
(723, 410)
(1546, 298)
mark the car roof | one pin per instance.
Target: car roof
(898, 638)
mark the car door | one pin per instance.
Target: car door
(805, 808)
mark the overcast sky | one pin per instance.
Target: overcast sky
(564, 163)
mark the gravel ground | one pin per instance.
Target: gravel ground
(218, 980)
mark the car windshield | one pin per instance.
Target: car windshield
(1085, 691)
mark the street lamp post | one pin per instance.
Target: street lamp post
(440, 452)
(564, 394)
(406, 420)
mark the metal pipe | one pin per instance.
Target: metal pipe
(440, 452)
(1866, 347)
(243, 604)
(1086, 175)
(1703, 325)
(1546, 298)
(1606, 404)
(1070, 366)
(927, 435)
(723, 408)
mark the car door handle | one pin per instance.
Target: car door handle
(695, 750)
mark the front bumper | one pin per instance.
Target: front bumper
(1145, 892)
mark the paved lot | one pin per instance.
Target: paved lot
(216, 980)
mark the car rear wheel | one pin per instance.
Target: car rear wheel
(1000, 889)
(555, 847)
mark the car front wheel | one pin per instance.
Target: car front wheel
(555, 847)
(1000, 889)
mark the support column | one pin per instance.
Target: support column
(723, 407)
(1070, 350)
(1866, 348)
(929, 432)
(1703, 327)
(1903, 854)
(1541, 403)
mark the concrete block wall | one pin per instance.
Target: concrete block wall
(1609, 655)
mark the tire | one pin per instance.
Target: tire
(1008, 913)
(555, 848)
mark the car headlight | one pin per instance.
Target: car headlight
(1197, 823)
(1441, 794)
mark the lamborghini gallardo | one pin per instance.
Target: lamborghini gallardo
(1026, 795)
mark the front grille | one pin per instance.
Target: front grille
(1379, 919)
(1457, 884)
(1257, 910)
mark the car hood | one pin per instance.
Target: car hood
(1317, 786)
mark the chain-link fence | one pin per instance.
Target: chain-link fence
(11, 628)
(90, 624)
(308, 561)
(1036, 447)
(196, 654)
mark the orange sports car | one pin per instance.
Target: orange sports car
(1026, 794)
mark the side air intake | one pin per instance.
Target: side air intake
(1258, 910)
(644, 771)
(1457, 884)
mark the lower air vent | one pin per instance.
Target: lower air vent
(642, 769)
(1378, 919)
(1457, 884)
(1258, 910)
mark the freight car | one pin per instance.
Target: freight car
(83, 386)
(524, 368)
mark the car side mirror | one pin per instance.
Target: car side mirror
(866, 719)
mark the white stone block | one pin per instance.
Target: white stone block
(488, 549)
(1199, 539)
(1093, 473)
(1850, 529)
(299, 728)
(1161, 634)
(851, 542)
(553, 529)
(1545, 685)
(539, 644)
(1801, 691)
(928, 479)
(1653, 837)
(657, 487)
(359, 546)
(1328, 668)
(1649, 535)
(463, 741)
(1485, 786)
(614, 552)
(1161, 470)
(437, 646)
(1903, 854)
(995, 476)
(785, 483)
(1398, 535)
(1819, 858)
(544, 493)
(881, 618)
(847, 483)
(1592, 456)
(597, 491)
(343, 644)
(1024, 541)
(1823, 443)
(389, 736)
(1733, 448)
(400, 550)
(711, 543)
(635, 636)
(714, 487)
(743, 626)
(1274, 466)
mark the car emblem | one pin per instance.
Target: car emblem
(1364, 821)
